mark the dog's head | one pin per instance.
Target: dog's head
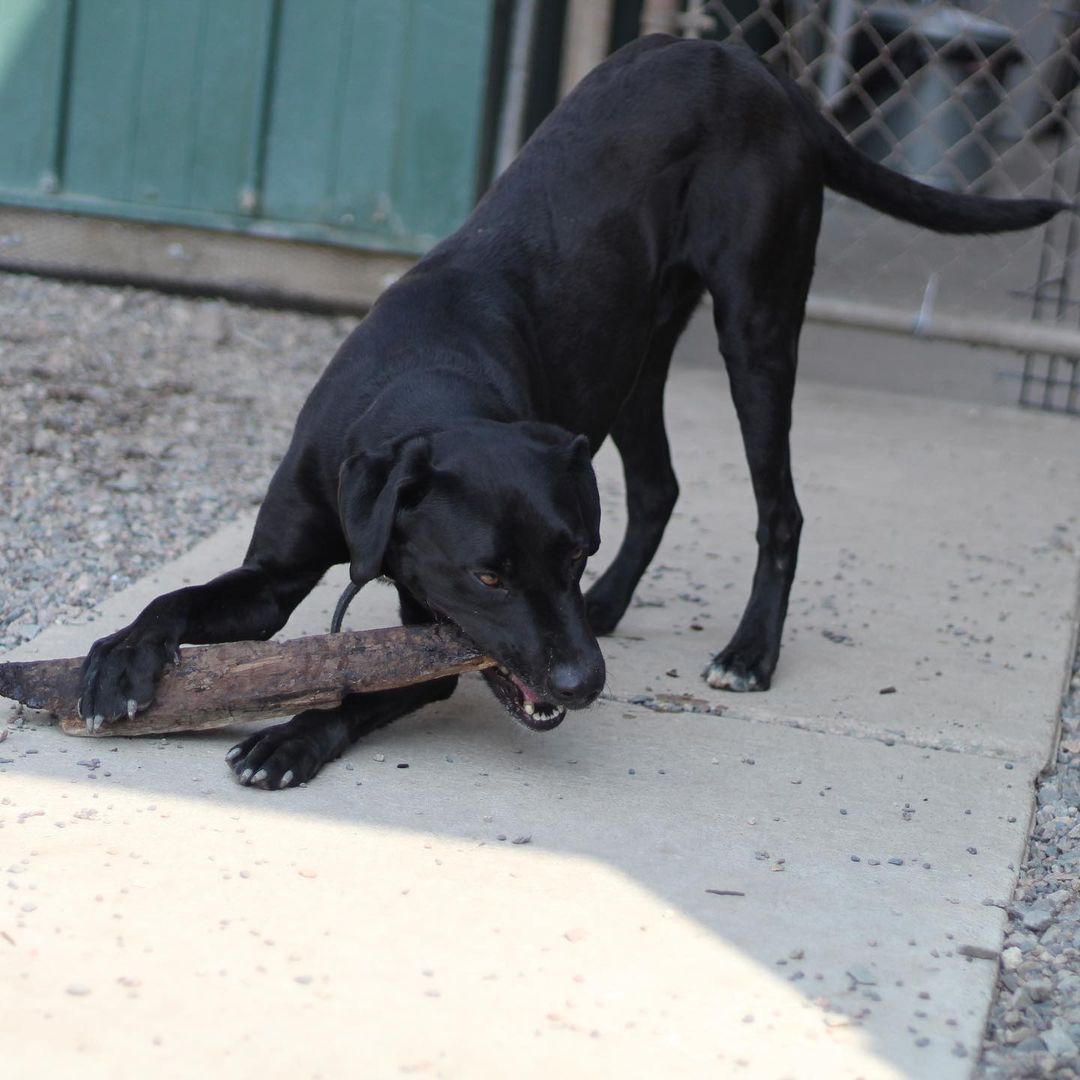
(489, 525)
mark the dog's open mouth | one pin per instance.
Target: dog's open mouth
(521, 702)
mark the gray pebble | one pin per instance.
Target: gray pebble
(1059, 1042)
(1038, 919)
(978, 952)
(1032, 1044)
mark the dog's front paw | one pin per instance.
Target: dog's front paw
(119, 677)
(277, 757)
(734, 670)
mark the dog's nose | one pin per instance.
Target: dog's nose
(576, 686)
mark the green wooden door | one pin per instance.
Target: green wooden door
(349, 121)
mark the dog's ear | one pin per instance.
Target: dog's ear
(372, 487)
(585, 482)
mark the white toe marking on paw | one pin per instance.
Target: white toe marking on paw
(720, 678)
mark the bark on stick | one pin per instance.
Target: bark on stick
(214, 685)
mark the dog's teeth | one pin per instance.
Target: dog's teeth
(503, 670)
(529, 708)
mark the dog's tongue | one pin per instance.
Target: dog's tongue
(526, 693)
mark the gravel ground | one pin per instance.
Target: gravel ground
(1034, 1025)
(135, 424)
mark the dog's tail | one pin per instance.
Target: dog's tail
(343, 603)
(852, 173)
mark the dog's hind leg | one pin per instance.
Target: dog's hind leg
(763, 402)
(651, 487)
(758, 309)
(292, 753)
(759, 348)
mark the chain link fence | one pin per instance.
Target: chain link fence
(979, 97)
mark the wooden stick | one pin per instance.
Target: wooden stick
(215, 685)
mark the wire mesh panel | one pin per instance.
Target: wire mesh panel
(975, 97)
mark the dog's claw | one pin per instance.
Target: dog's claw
(132, 708)
(286, 780)
(245, 776)
(233, 754)
(97, 723)
(174, 654)
(259, 777)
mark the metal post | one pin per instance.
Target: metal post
(251, 190)
(585, 40)
(52, 179)
(512, 113)
(838, 42)
(660, 17)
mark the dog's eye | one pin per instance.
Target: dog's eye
(486, 577)
(577, 555)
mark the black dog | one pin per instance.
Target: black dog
(448, 444)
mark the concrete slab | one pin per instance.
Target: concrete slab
(160, 917)
(157, 916)
(939, 557)
(258, 269)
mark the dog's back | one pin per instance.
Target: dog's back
(666, 158)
